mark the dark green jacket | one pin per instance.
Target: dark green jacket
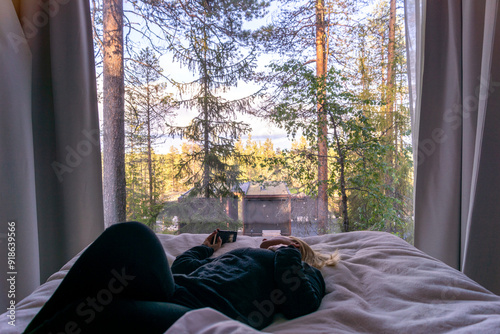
(248, 284)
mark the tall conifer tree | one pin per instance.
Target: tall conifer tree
(148, 107)
(290, 34)
(216, 48)
(114, 190)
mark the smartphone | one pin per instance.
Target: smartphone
(226, 236)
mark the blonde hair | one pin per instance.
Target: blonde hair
(316, 259)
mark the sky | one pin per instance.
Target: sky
(261, 129)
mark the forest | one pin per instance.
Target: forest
(330, 73)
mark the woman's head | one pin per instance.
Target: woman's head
(279, 240)
(310, 256)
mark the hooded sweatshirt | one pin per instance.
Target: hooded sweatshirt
(248, 284)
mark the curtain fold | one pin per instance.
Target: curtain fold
(17, 165)
(456, 143)
(482, 248)
(50, 147)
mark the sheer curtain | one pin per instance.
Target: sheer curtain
(50, 161)
(455, 84)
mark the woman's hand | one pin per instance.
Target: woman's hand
(274, 248)
(209, 241)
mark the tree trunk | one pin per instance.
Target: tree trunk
(321, 69)
(114, 186)
(391, 58)
(206, 136)
(150, 160)
(390, 119)
(343, 188)
(343, 192)
(206, 124)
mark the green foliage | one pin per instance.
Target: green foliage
(139, 207)
(356, 151)
(212, 41)
(393, 123)
(147, 108)
(254, 166)
(368, 142)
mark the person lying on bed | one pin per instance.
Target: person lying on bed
(122, 283)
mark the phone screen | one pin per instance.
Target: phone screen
(226, 236)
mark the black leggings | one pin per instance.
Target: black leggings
(121, 283)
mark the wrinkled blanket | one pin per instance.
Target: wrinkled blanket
(381, 285)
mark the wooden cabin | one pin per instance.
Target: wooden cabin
(266, 207)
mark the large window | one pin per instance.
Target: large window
(225, 101)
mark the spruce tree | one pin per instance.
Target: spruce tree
(215, 47)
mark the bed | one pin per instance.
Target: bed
(381, 285)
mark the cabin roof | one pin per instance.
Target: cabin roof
(267, 189)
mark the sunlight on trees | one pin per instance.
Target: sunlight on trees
(213, 45)
(148, 107)
(337, 85)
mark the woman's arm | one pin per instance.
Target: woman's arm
(197, 256)
(302, 286)
(192, 259)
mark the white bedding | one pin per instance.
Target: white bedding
(381, 285)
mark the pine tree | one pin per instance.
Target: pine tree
(148, 107)
(321, 69)
(390, 91)
(217, 50)
(290, 35)
(114, 187)
(382, 76)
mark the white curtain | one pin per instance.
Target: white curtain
(453, 50)
(50, 161)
